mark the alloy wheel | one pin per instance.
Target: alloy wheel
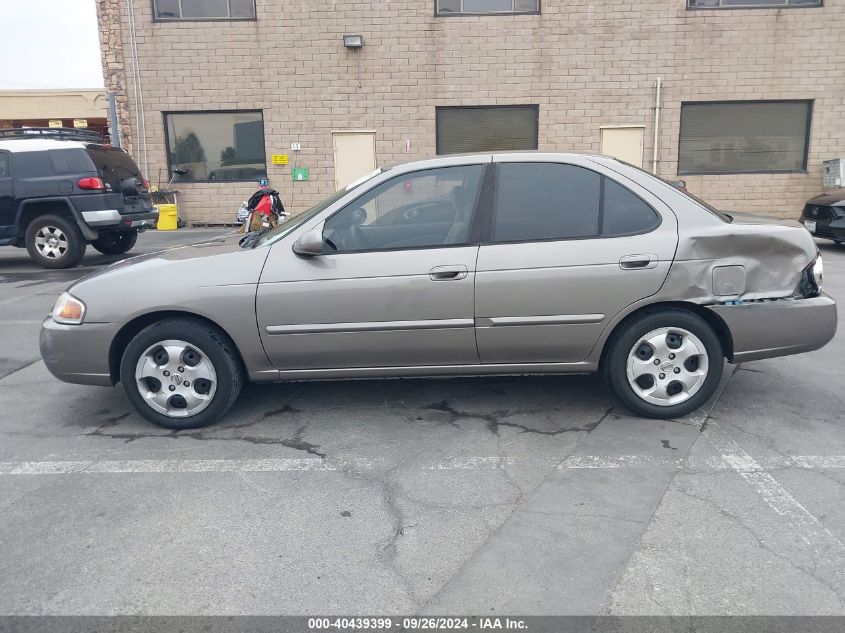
(51, 242)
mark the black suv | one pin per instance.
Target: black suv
(824, 215)
(61, 189)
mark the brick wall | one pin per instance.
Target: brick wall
(586, 63)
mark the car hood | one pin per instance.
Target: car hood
(835, 198)
(178, 278)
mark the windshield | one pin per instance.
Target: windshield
(291, 223)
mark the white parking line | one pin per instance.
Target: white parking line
(732, 459)
(804, 524)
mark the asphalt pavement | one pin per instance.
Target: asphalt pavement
(513, 495)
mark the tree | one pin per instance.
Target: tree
(227, 156)
(189, 149)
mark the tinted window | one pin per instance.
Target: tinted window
(4, 164)
(204, 9)
(745, 4)
(538, 201)
(70, 161)
(446, 7)
(113, 164)
(461, 130)
(744, 137)
(421, 209)
(624, 212)
(217, 145)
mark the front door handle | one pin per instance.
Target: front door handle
(448, 273)
(638, 262)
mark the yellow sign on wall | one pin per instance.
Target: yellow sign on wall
(55, 123)
(80, 123)
(280, 159)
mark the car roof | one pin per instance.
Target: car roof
(502, 156)
(39, 144)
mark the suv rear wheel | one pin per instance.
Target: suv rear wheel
(115, 242)
(664, 364)
(54, 241)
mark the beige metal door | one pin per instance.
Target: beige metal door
(624, 143)
(354, 156)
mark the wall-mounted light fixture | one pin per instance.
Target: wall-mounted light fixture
(353, 41)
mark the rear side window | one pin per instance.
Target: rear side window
(70, 161)
(541, 201)
(114, 164)
(624, 212)
(4, 164)
(548, 201)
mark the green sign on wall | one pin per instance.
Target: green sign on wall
(300, 174)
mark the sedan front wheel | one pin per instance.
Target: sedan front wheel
(664, 364)
(181, 373)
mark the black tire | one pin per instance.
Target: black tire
(621, 343)
(50, 256)
(212, 342)
(115, 242)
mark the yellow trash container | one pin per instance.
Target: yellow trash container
(168, 217)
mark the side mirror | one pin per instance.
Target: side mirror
(310, 243)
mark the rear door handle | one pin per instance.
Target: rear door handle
(448, 273)
(638, 262)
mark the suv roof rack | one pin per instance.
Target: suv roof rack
(59, 133)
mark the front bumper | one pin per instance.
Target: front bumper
(78, 353)
(827, 229)
(766, 329)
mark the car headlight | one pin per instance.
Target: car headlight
(811, 278)
(68, 310)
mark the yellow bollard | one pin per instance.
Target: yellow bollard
(168, 217)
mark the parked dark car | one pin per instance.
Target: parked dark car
(824, 216)
(61, 189)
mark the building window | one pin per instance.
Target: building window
(744, 137)
(482, 7)
(204, 9)
(216, 146)
(461, 130)
(751, 4)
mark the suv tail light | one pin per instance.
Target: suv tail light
(91, 183)
(146, 183)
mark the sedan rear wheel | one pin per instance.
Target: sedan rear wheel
(664, 364)
(181, 373)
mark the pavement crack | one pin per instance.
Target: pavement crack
(299, 444)
(737, 520)
(497, 419)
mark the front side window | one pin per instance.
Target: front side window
(744, 137)
(458, 7)
(216, 146)
(204, 9)
(467, 129)
(751, 4)
(550, 201)
(418, 210)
